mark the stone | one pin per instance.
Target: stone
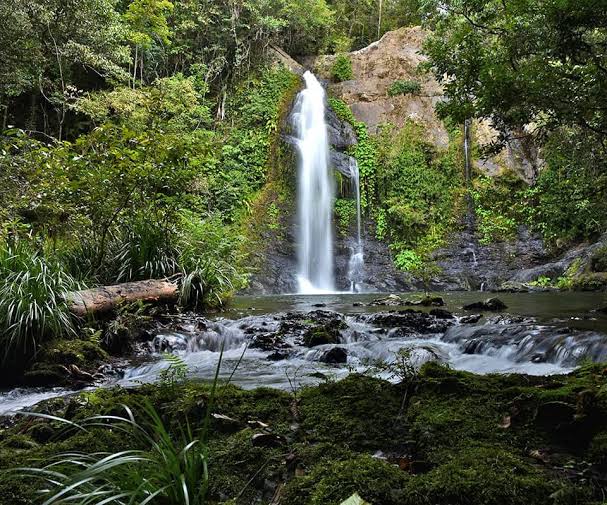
(335, 356)
(427, 301)
(471, 319)
(278, 356)
(441, 313)
(388, 301)
(267, 440)
(492, 304)
(226, 424)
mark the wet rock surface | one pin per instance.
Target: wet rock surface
(490, 304)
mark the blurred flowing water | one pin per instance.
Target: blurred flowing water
(539, 334)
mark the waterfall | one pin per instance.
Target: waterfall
(357, 259)
(315, 191)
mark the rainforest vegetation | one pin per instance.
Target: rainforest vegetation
(145, 139)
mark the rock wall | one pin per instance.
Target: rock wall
(397, 56)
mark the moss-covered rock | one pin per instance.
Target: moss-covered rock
(82, 353)
(374, 480)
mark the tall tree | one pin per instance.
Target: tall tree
(51, 49)
(531, 62)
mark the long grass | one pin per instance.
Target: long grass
(160, 468)
(32, 302)
(169, 470)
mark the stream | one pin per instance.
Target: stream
(539, 334)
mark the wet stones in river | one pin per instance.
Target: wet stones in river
(387, 301)
(334, 356)
(323, 327)
(270, 341)
(441, 314)
(409, 321)
(278, 356)
(169, 342)
(471, 319)
(427, 301)
(491, 304)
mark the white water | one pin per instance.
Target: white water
(357, 259)
(315, 191)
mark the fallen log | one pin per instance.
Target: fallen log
(106, 298)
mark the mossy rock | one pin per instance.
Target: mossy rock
(376, 481)
(590, 282)
(360, 412)
(598, 449)
(483, 475)
(82, 353)
(598, 261)
(43, 374)
(320, 336)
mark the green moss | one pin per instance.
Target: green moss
(483, 475)
(346, 412)
(237, 468)
(82, 353)
(460, 438)
(330, 484)
(319, 336)
(404, 88)
(598, 261)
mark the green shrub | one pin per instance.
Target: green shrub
(342, 68)
(365, 152)
(33, 309)
(209, 258)
(404, 88)
(569, 201)
(407, 260)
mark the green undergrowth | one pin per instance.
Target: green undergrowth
(446, 437)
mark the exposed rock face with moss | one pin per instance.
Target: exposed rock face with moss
(437, 437)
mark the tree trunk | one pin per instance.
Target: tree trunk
(107, 298)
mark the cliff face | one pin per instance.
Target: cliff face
(397, 56)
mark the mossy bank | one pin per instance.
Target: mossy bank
(440, 437)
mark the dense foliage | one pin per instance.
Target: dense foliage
(534, 62)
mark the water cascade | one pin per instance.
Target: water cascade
(357, 259)
(315, 191)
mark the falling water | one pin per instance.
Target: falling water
(357, 260)
(315, 191)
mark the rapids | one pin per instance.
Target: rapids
(539, 334)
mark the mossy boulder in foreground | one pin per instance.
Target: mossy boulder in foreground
(445, 437)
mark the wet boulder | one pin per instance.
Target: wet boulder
(387, 301)
(441, 314)
(491, 304)
(323, 327)
(408, 321)
(427, 301)
(269, 341)
(278, 356)
(471, 319)
(335, 356)
(320, 335)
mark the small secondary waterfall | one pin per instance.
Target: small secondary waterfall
(357, 259)
(315, 191)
